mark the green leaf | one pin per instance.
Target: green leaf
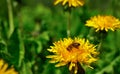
(39, 47)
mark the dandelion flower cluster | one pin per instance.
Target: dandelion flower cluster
(4, 68)
(73, 3)
(103, 23)
(72, 51)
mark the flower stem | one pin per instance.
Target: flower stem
(68, 24)
(67, 10)
(101, 36)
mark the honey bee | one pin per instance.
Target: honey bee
(73, 45)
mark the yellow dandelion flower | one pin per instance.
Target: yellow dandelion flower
(73, 3)
(72, 51)
(4, 68)
(103, 23)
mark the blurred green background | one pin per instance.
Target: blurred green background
(29, 27)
